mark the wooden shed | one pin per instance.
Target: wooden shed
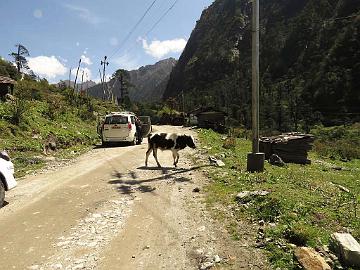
(6, 86)
(211, 118)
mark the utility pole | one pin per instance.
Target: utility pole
(70, 77)
(82, 81)
(255, 160)
(105, 63)
(77, 72)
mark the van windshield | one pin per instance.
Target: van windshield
(116, 119)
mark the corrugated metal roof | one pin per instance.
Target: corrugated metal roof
(6, 80)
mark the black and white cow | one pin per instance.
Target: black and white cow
(168, 141)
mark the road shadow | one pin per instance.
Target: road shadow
(113, 145)
(130, 182)
(4, 204)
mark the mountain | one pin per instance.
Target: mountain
(148, 82)
(309, 62)
(85, 85)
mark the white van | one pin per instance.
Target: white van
(118, 127)
(7, 180)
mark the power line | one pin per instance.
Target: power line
(134, 28)
(161, 18)
(156, 23)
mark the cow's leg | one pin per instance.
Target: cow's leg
(174, 153)
(147, 155)
(155, 156)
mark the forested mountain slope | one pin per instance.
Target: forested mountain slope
(309, 61)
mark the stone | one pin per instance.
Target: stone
(217, 259)
(346, 248)
(310, 259)
(206, 265)
(196, 189)
(220, 163)
(246, 196)
(276, 160)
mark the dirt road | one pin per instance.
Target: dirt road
(107, 211)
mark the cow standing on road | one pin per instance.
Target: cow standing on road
(168, 141)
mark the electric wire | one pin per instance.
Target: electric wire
(161, 18)
(134, 28)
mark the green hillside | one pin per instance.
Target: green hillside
(41, 113)
(309, 61)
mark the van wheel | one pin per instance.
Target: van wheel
(104, 144)
(2, 193)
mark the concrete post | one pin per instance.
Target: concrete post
(255, 161)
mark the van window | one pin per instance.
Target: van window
(132, 119)
(116, 119)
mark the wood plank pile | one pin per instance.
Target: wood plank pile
(291, 147)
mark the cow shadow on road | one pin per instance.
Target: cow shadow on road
(131, 182)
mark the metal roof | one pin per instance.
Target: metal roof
(6, 80)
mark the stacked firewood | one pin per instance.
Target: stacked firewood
(290, 147)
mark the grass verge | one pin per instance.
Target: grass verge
(305, 204)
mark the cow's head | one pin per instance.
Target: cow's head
(190, 141)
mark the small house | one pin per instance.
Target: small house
(6, 86)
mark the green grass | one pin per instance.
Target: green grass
(27, 124)
(305, 205)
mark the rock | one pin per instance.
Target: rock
(217, 259)
(196, 189)
(310, 259)
(206, 265)
(216, 162)
(219, 163)
(276, 160)
(246, 196)
(346, 248)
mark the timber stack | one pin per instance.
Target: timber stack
(291, 147)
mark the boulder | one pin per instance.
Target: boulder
(346, 248)
(310, 259)
(276, 160)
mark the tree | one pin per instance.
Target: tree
(20, 57)
(8, 69)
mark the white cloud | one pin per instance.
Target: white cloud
(158, 48)
(127, 62)
(48, 67)
(87, 74)
(114, 41)
(77, 44)
(86, 60)
(38, 14)
(86, 50)
(85, 14)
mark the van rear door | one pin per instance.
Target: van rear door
(116, 127)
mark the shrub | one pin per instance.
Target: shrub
(17, 110)
(338, 142)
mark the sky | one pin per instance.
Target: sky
(57, 33)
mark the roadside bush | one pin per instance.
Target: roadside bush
(229, 143)
(17, 110)
(338, 142)
(300, 234)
